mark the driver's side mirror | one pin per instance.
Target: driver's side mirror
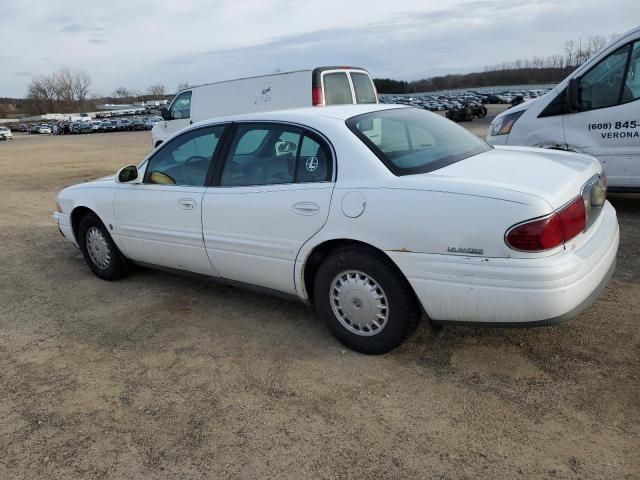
(165, 113)
(573, 95)
(127, 174)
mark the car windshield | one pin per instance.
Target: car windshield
(410, 140)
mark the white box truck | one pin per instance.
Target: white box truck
(303, 88)
(594, 111)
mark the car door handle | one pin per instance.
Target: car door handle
(306, 208)
(187, 203)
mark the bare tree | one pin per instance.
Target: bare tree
(80, 86)
(63, 80)
(122, 92)
(157, 90)
(65, 90)
(183, 86)
(570, 49)
(43, 93)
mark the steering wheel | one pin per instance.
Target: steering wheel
(188, 174)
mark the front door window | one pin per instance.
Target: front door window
(181, 106)
(186, 159)
(613, 80)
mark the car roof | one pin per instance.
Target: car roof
(339, 112)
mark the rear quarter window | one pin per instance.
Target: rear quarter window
(410, 141)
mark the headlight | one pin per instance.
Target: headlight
(503, 125)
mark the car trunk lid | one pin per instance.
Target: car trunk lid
(555, 176)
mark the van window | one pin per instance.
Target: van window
(363, 87)
(181, 106)
(337, 90)
(609, 83)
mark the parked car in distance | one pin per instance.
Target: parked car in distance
(124, 124)
(152, 121)
(373, 213)
(109, 125)
(138, 124)
(44, 129)
(6, 133)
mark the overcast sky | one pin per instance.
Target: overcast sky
(137, 43)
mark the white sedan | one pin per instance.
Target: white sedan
(376, 214)
(6, 133)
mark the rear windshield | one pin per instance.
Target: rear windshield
(409, 140)
(363, 87)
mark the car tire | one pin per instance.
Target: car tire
(365, 300)
(98, 249)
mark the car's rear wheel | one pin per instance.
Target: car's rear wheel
(365, 301)
(99, 250)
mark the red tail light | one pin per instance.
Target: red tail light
(549, 232)
(316, 96)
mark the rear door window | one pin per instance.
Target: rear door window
(363, 87)
(285, 154)
(337, 90)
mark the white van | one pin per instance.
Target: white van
(594, 111)
(303, 88)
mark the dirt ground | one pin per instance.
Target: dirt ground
(166, 377)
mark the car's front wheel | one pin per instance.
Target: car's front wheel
(99, 251)
(366, 302)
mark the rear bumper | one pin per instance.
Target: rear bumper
(63, 221)
(515, 291)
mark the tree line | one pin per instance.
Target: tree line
(534, 70)
(67, 91)
(59, 92)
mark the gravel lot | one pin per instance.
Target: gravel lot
(162, 376)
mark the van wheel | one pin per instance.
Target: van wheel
(365, 301)
(99, 251)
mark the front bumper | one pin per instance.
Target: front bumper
(515, 291)
(63, 221)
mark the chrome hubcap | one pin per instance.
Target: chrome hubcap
(359, 303)
(98, 248)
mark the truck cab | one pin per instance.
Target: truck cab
(594, 111)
